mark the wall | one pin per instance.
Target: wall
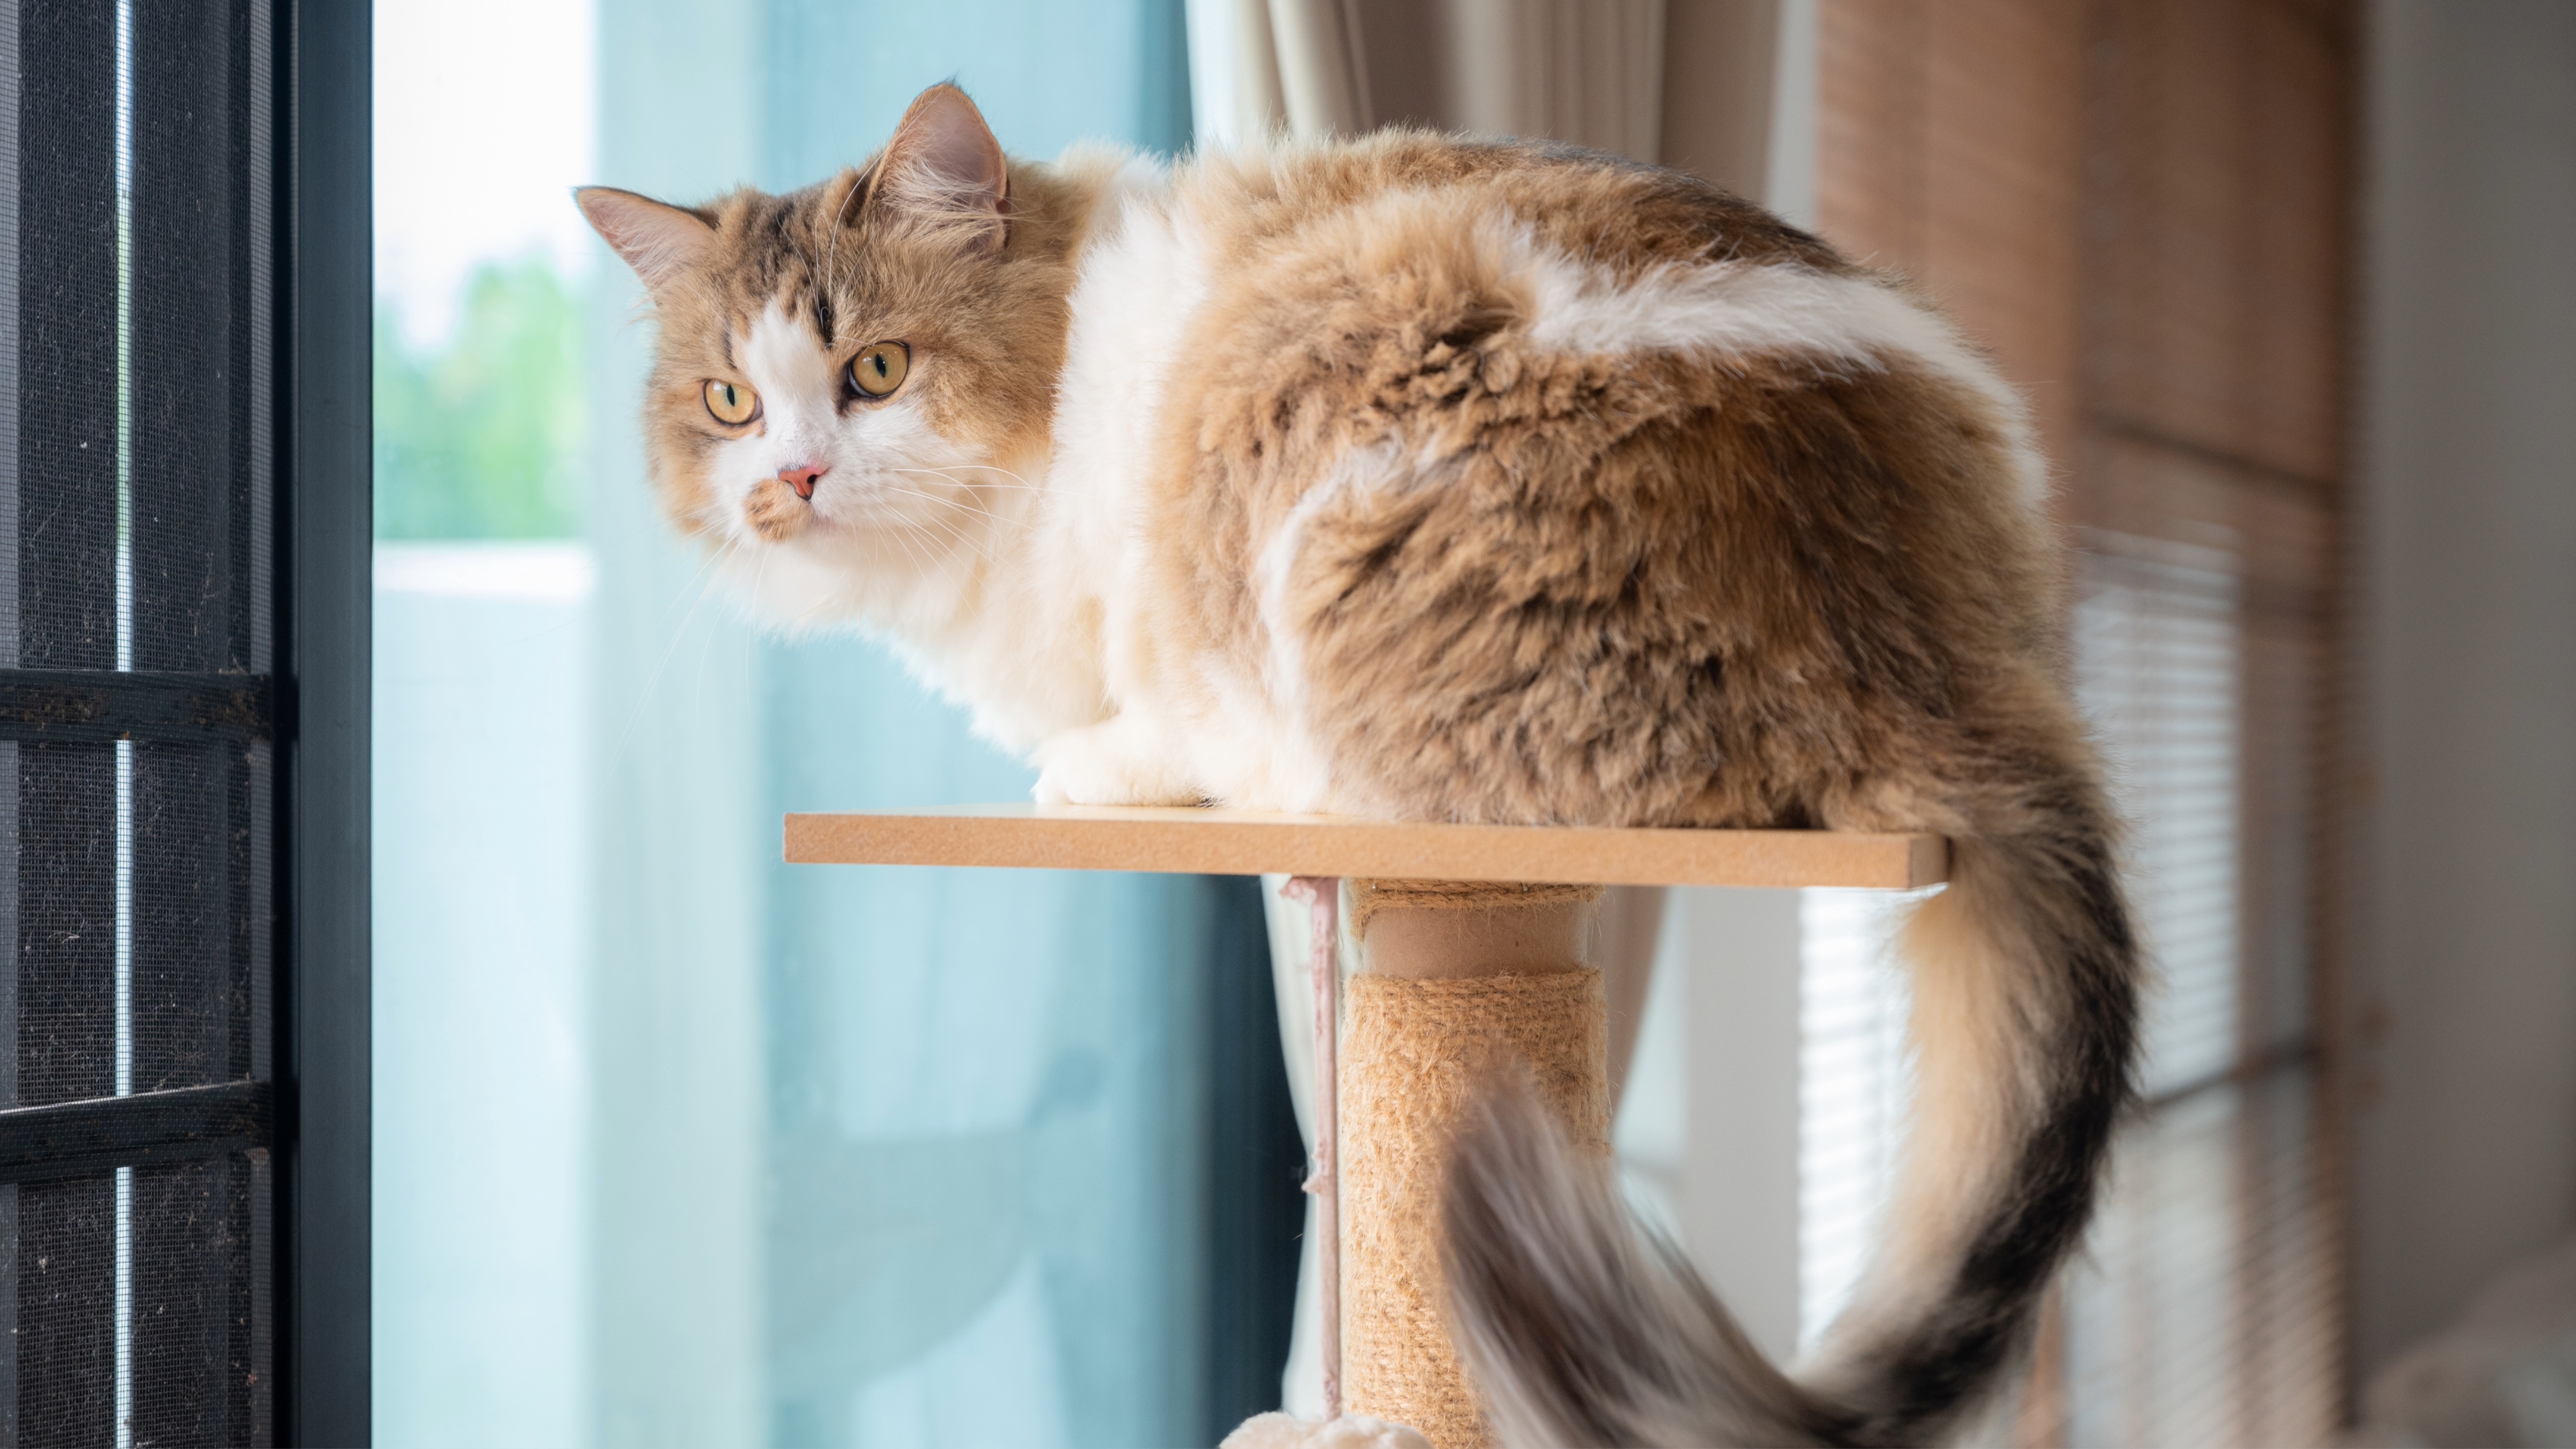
(2466, 1134)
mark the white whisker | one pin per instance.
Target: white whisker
(704, 582)
(1016, 480)
(955, 533)
(953, 503)
(698, 688)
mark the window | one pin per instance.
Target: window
(2142, 206)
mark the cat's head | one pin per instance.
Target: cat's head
(842, 371)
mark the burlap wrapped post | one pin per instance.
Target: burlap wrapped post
(1422, 1023)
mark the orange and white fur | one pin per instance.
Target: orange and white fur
(1424, 477)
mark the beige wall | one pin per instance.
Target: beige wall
(1719, 90)
(2467, 901)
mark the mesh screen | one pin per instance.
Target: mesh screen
(199, 418)
(180, 842)
(153, 427)
(189, 928)
(64, 513)
(159, 1272)
(136, 896)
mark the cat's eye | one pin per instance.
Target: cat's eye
(731, 403)
(879, 368)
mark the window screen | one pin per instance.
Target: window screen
(138, 723)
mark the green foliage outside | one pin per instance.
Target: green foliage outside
(485, 435)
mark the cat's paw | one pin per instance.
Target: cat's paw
(1111, 763)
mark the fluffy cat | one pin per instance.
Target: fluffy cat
(1422, 477)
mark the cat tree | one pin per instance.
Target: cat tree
(1464, 943)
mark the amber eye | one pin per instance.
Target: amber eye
(731, 403)
(879, 368)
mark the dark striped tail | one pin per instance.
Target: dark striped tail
(1580, 1328)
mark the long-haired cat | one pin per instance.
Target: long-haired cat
(1441, 479)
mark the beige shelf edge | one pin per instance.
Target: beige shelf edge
(1241, 842)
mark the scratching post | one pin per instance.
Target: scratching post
(1451, 977)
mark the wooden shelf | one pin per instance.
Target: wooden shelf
(1241, 842)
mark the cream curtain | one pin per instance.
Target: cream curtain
(1586, 71)
(1258, 67)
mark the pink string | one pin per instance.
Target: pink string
(1323, 895)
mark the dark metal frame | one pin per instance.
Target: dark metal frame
(96, 1134)
(326, 498)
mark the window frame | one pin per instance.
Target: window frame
(326, 496)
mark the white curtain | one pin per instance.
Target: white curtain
(1586, 71)
(1259, 67)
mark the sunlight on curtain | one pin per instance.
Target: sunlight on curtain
(2157, 668)
(951, 1197)
(2202, 1312)
(479, 857)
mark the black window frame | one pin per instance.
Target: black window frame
(327, 495)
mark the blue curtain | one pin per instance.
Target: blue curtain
(877, 1157)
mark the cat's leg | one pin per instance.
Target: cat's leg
(1123, 760)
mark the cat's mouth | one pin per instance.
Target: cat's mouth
(776, 510)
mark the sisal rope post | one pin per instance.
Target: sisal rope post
(1453, 979)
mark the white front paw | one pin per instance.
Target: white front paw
(1052, 789)
(1108, 764)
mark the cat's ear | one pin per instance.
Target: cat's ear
(944, 167)
(659, 241)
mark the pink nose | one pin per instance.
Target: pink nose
(801, 478)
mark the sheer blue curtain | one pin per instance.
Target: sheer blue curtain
(877, 1157)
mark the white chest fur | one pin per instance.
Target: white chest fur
(1138, 285)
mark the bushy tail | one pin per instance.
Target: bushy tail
(1578, 1329)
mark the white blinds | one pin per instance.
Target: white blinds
(2204, 1310)
(2157, 659)
(2142, 207)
